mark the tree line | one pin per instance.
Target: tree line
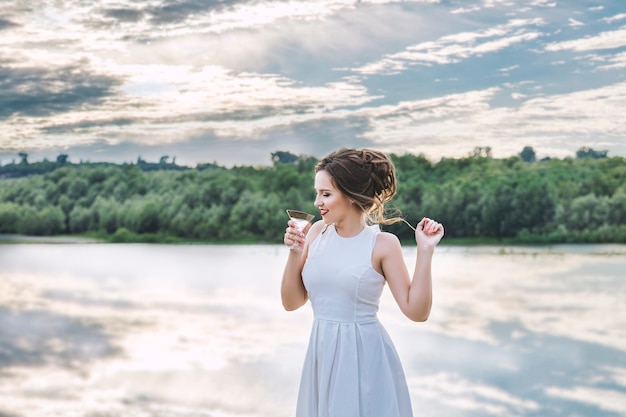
(515, 199)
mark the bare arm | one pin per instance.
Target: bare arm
(414, 296)
(292, 290)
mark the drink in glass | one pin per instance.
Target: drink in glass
(301, 218)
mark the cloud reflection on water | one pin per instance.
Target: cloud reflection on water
(140, 330)
(522, 321)
(191, 335)
(36, 338)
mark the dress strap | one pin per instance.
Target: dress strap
(375, 228)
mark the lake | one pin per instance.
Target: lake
(104, 330)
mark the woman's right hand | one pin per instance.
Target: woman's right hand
(293, 235)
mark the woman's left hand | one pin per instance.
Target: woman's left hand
(428, 233)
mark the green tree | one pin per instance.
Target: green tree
(104, 215)
(148, 221)
(47, 222)
(9, 217)
(586, 152)
(617, 208)
(77, 188)
(586, 212)
(283, 157)
(556, 200)
(23, 158)
(528, 154)
(79, 220)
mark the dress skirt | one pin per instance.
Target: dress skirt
(352, 370)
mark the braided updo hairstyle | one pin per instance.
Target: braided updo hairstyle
(366, 176)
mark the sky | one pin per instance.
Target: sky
(232, 81)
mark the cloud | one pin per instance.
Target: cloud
(99, 100)
(575, 23)
(37, 91)
(617, 61)
(465, 10)
(124, 14)
(170, 103)
(4, 24)
(604, 40)
(194, 16)
(455, 48)
(142, 77)
(543, 3)
(616, 18)
(471, 119)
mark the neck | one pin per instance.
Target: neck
(350, 226)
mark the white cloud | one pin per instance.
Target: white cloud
(462, 121)
(465, 10)
(616, 18)
(454, 48)
(603, 40)
(543, 3)
(507, 69)
(170, 103)
(257, 70)
(617, 61)
(575, 23)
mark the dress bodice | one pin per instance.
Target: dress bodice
(338, 275)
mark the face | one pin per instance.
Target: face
(333, 205)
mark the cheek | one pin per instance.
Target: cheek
(335, 202)
(340, 203)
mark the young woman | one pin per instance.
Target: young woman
(351, 367)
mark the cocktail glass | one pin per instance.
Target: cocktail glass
(301, 218)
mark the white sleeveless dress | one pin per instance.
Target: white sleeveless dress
(351, 368)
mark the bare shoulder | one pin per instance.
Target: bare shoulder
(386, 243)
(387, 238)
(386, 250)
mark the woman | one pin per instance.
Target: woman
(351, 367)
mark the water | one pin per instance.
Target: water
(198, 330)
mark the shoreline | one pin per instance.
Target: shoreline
(11, 239)
(463, 245)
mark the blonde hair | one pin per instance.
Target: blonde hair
(365, 176)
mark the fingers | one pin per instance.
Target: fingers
(429, 226)
(294, 236)
(433, 227)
